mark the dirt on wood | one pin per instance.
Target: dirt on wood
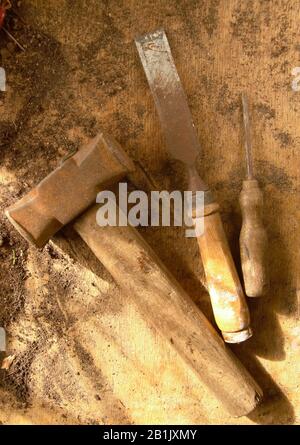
(83, 352)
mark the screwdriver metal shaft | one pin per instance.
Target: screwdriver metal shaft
(248, 145)
(253, 236)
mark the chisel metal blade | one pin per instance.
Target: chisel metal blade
(171, 102)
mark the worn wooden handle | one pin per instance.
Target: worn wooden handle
(227, 297)
(163, 302)
(253, 240)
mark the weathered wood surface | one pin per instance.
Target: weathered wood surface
(83, 351)
(164, 304)
(253, 240)
(227, 296)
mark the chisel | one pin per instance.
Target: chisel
(228, 301)
(253, 236)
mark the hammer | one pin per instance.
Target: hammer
(65, 195)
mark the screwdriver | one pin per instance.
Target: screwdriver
(253, 236)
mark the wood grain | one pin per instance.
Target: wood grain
(253, 241)
(141, 274)
(228, 301)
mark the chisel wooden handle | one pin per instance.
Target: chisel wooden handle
(226, 294)
(253, 240)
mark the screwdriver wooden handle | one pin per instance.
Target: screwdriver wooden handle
(226, 293)
(253, 240)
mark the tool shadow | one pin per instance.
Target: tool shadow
(267, 343)
(268, 339)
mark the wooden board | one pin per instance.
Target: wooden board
(84, 353)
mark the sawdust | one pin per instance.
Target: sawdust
(83, 355)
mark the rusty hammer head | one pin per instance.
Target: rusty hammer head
(69, 190)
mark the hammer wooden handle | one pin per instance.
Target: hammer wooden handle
(253, 240)
(163, 302)
(227, 297)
